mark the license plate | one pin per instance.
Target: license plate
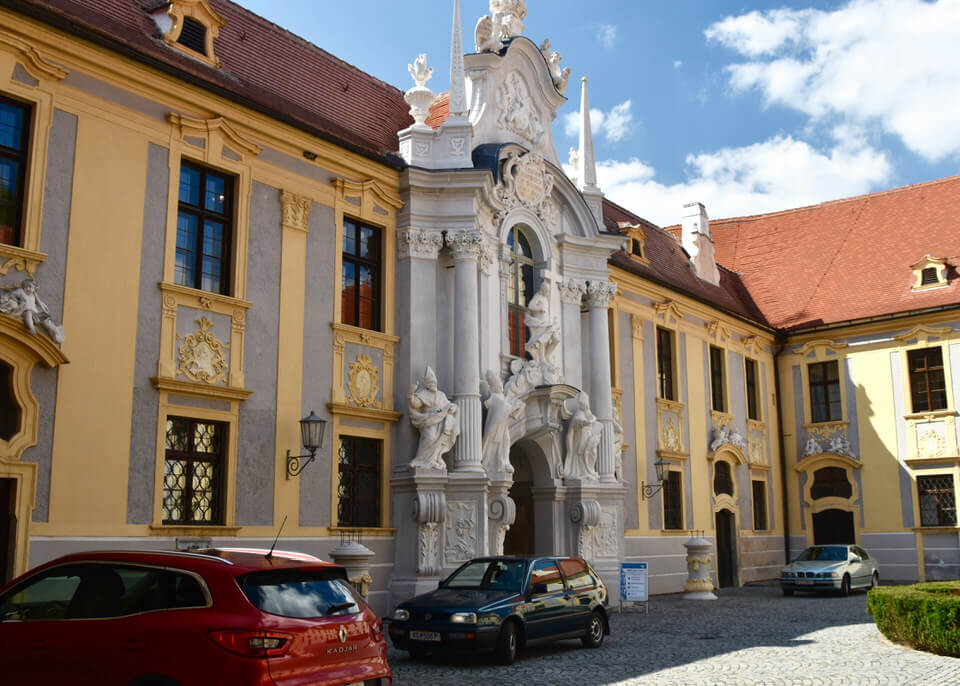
(425, 636)
(805, 582)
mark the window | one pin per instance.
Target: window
(14, 139)
(753, 394)
(673, 501)
(358, 493)
(665, 363)
(938, 500)
(9, 407)
(759, 505)
(300, 593)
(830, 482)
(825, 392)
(722, 478)
(927, 386)
(577, 574)
(193, 480)
(360, 297)
(204, 229)
(717, 379)
(929, 275)
(519, 288)
(547, 573)
(193, 35)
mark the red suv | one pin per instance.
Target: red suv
(238, 617)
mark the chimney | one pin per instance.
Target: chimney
(698, 242)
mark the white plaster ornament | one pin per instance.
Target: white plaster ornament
(419, 97)
(583, 441)
(560, 76)
(436, 418)
(503, 23)
(501, 411)
(24, 301)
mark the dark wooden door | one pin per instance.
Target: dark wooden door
(833, 526)
(8, 528)
(519, 538)
(726, 559)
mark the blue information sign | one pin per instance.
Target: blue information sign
(633, 582)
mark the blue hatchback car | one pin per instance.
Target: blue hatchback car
(501, 604)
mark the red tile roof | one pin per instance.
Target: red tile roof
(261, 65)
(846, 259)
(439, 110)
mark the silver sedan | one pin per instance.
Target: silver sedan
(830, 568)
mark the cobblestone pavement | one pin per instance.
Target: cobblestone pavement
(750, 635)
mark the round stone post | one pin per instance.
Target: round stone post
(356, 558)
(467, 246)
(599, 296)
(699, 584)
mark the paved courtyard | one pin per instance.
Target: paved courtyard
(749, 636)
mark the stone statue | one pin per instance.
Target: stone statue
(544, 329)
(419, 70)
(436, 418)
(496, 429)
(553, 58)
(24, 302)
(583, 441)
(503, 23)
(617, 451)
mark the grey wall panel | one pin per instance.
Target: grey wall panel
(50, 277)
(297, 166)
(906, 483)
(258, 414)
(628, 422)
(941, 556)
(654, 508)
(199, 403)
(143, 441)
(683, 379)
(318, 361)
(738, 392)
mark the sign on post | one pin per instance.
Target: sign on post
(633, 584)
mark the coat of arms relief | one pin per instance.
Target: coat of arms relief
(526, 182)
(202, 356)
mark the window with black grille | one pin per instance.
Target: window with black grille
(193, 35)
(665, 364)
(193, 471)
(759, 505)
(928, 388)
(358, 492)
(929, 276)
(825, 403)
(204, 229)
(722, 478)
(753, 390)
(938, 500)
(718, 379)
(360, 276)
(830, 482)
(14, 139)
(673, 501)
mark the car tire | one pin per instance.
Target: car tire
(845, 585)
(875, 580)
(787, 591)
(594, 636)
(507, 644)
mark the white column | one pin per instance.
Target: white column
(571, 296)
(467, 247)
(599, 295)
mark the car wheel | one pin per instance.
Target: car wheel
(507, 644)
(875, 580)
(787, 591)
(594, 636)
(845, 585)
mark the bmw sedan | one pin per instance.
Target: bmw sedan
(501, 604)
(830, 568)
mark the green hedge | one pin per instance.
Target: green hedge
(924, 616)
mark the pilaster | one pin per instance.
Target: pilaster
(571, 298)
(599, 296)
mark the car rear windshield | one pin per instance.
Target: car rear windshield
(303, 593)
(828, 554)
(496, 575)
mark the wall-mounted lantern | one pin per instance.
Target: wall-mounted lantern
(650, 490)
(311, 433)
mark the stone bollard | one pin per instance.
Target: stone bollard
(356, 558)
(699, 584)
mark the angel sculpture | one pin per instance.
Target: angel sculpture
(583, 441)
(24, 302)
(501, 411)
(436, 418)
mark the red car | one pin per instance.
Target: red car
(238, 617)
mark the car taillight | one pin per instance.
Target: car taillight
(252, 643)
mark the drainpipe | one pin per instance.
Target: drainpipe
(781, 344)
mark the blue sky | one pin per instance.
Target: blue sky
(748, 106)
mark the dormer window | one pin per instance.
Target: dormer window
(930, 272)
(636, 239)
(190, 26)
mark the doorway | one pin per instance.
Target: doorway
(726, 557)
(8, 528)
(833, 526)
(520, 536)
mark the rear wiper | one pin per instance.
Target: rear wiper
(333, 609)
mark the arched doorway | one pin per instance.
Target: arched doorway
(726, 548)
(521, 535)
(833, 526)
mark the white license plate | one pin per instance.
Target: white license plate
(805, 582)
(425, 636)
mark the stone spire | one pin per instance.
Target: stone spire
(458, 87)
(586, 166)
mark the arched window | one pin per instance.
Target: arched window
(722, 478)
(830, 482)
(9, 408)
(519, 286)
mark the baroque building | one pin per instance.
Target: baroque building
(505, 361)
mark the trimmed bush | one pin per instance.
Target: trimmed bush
(923, 616)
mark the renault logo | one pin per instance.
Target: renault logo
(343, 634)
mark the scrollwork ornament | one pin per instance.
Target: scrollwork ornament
(363, 378)
(600, 293)
(296, 210)
(202, 357)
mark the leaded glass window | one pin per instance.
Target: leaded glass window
(722, 478)
(204, 229)
(927, 386)
(193, 491)
(825, 391)
(831, 482)
(360, 276)
(519, 288)
(14, 139)
(358, 491)
(759, 505)
(938, 500)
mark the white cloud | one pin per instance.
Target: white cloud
(776, 174)
(892, 65)
(677, 64)
(614, 125)
(607, 35)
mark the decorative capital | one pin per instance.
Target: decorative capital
(571, 291)
(600, 293)
(419, 243)
(466, 245)
(296, 210)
